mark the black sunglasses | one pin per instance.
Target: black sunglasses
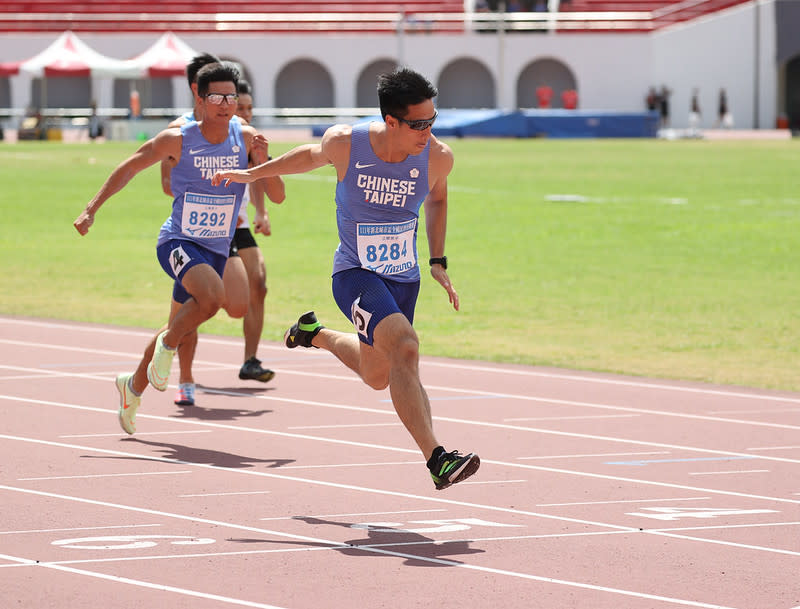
(421, 124)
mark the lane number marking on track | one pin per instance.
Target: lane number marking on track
(129, 542)
(429, 526)
(676, 513)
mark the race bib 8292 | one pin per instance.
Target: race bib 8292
(207, 216)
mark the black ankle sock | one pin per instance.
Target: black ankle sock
(437, 452)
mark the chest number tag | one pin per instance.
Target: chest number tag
(387, 249)
(207, 216)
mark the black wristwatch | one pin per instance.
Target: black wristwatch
(442, 261)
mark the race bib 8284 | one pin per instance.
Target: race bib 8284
(387, 249)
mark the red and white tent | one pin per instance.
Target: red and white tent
(167, 56)
(68, 55)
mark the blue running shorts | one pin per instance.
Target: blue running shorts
(366, 298)
(177, 256)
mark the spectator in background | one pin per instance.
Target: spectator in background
(569, 99)
(663, 104)
(694, 114)
(724, 116)
(95, 126)
(136, 105)
(651, 101)
(544, 96)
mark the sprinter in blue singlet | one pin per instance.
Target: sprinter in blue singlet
(385, 171)
(194, 241)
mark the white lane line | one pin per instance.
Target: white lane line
(655, 452)
(424, 498)
(753, 411)
(138, 582)
(67, 530)
(338, 465)
(226, 494)
(359, 514)
(720, 542)
(85, 476)
(740, 471)
(472, 481)
(661, 500)
(573, 418)
(485, 424)
(599, 406)
(354, 425)
(774, 448)
(143, 433)
(754, 395)
(276, 476)
(593, 405)
(412, 451)
(116, 332)
(332, 545)
(711, 527)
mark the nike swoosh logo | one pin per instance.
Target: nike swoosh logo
(198, 151)
(360, 166)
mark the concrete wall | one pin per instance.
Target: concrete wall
(721, 52)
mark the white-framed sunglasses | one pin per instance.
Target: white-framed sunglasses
(218, 98)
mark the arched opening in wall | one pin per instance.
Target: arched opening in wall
(366, 87)
(153, 92)
(792, 93)
(466, 83)
(546, 72)
(5, 92)
(61, 92)
(304, 84)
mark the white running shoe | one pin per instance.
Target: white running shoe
(185, 394)
(128, 404)
(159, 366)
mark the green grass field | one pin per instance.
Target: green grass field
(666, 259)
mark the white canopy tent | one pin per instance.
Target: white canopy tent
(69, 56)
(167, 56)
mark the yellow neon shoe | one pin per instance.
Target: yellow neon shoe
(159, 366)
(128, 404)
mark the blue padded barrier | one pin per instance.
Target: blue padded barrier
(556, 123)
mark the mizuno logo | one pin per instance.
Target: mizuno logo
(365, 165)
(198, 151)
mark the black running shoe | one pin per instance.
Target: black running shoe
(252, 370)
(454, 467)
(300, 334)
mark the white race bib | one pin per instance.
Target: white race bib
(387, 249)
(207, 216)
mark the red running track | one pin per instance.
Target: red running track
(595, 491)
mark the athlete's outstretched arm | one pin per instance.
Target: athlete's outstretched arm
(298, 160)
(164, 146)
